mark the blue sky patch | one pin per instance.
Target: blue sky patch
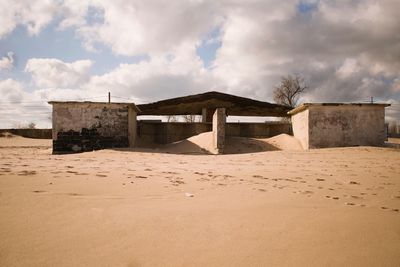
(209, 46)
(306, 6)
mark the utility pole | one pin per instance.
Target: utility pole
(109, 97)
(372, 99)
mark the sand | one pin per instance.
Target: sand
(202, 144)
(11, 140)
(325, 207)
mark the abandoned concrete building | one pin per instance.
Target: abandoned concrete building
(339, 125)
(86, 126)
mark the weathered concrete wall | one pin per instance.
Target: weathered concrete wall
(164, 133)
(258, 130)
(168, 132)
(90, 126)
(30, 133)
(336, 126)
(218, 129)
(300, 127)
(340, 126)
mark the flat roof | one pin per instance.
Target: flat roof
(194, 104)
(306, 105)
(96, 103)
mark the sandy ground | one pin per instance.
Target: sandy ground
(326, 207)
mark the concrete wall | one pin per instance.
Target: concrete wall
(89, 126)
(258, 130)
(300, 127)
(165, 133)
(340, 126)
(218, 129)
(168, 132)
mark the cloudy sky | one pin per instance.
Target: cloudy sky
(147, 50)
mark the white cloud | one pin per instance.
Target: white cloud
(20, 107)
(11, 90)
(7, 62)
(34, 15)
(142, 27)
(157, 78)
(50, 72)
(346, 50)
(350, 66)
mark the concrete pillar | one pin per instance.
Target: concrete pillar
(207, 115)
(218, 127)
(131, 126)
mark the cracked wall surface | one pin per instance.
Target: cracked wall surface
(79, 127)
(340, 126)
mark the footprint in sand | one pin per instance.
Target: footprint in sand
(177, 182)
(354, 182)
(335, 198)
(320, 179)
(262, 190)
(101, 175)
(141, 177)
(350, 203)
(306, 192)
(39, 191)
(25, 173)
(74, 194)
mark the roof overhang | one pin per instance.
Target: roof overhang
(194, 104)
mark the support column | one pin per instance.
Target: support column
(207, 115)
(218, 127)
(131, 126)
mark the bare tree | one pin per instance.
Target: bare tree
(189, 118)
(172, 118)
(32, 125)
(289, 91)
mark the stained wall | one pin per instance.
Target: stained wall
(84, 126)
(340, 126)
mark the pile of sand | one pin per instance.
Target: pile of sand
(284, 142)
(197, 144)
(203, 144)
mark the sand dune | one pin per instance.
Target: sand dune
(327, 207)
(203, 144)
(11, 140)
